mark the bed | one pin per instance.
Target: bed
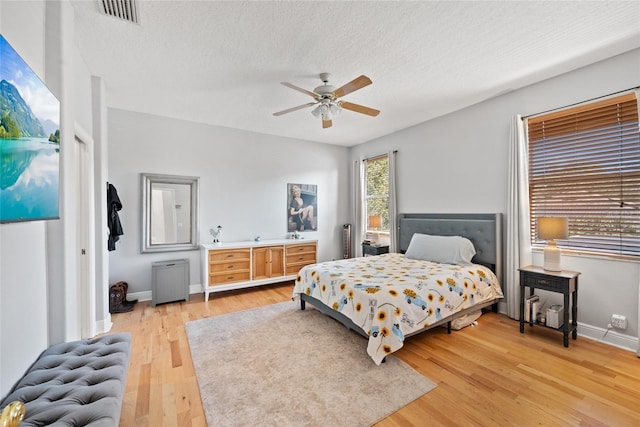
(434, 280)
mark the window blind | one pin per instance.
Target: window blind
(584, 165)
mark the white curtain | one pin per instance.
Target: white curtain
(358, 206)
(518, 237)
(393, 204)
(638, 352)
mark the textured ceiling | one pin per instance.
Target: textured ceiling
(221, 62)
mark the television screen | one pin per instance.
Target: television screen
(29, 142)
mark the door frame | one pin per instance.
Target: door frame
(85, 226)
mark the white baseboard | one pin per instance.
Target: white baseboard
(140, 296)
(613, 337)
(104, 325)
(502, 307)
(146, 295)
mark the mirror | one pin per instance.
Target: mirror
(169, 213)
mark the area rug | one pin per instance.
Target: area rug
(280, 366)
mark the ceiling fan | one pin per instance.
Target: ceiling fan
(327, 99)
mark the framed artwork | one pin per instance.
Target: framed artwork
(29, 142)
(302, 207)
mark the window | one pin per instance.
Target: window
(376, 177)
(584, 165)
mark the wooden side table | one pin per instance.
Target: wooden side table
(374, 249)
(564, 282)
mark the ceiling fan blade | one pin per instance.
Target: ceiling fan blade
(299, 107)
(359, 108)
(326, 124)
(353, 85)
(299, 89)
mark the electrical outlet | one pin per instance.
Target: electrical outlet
(619, 321)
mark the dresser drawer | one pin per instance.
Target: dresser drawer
(301, 248)
(308, 258)
(227, 266)
(295, 268)
(544, 282)
(230, 255)
(230, 277)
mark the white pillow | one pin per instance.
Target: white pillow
(445, 249)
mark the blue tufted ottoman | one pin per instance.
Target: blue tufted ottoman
(78, 383)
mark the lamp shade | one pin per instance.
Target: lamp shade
(375, 221)
(552, 228)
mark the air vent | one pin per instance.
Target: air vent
(123, 9)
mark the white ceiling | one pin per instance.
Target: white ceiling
(221, 62)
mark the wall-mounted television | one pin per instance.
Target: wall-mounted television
(29, 142)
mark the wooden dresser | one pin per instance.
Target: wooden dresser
(236, 265)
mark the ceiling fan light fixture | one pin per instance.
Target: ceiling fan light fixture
(335, 108)
(326, 112)
(327, 109)
(321, 110)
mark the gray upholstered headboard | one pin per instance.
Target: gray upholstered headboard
(484, 231)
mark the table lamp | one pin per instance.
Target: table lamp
(550, 229)
(375, 222)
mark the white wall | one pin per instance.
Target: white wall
(100, 170)
(23, 299)
(23, 278)
(71, 82)
(243, 185)
(458, 163)
(38, 290)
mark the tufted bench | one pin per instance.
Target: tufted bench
(79, 383)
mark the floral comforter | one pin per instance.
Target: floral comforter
(390, 296)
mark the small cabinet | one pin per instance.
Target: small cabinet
(268, 262)
(170, 281)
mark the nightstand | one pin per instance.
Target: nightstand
(374, 249)
(564, 282)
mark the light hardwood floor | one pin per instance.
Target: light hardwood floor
(487, 375)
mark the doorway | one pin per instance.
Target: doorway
(85, 224)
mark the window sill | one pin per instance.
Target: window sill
(591, 255)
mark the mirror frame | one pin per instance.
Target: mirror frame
(147, 180)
